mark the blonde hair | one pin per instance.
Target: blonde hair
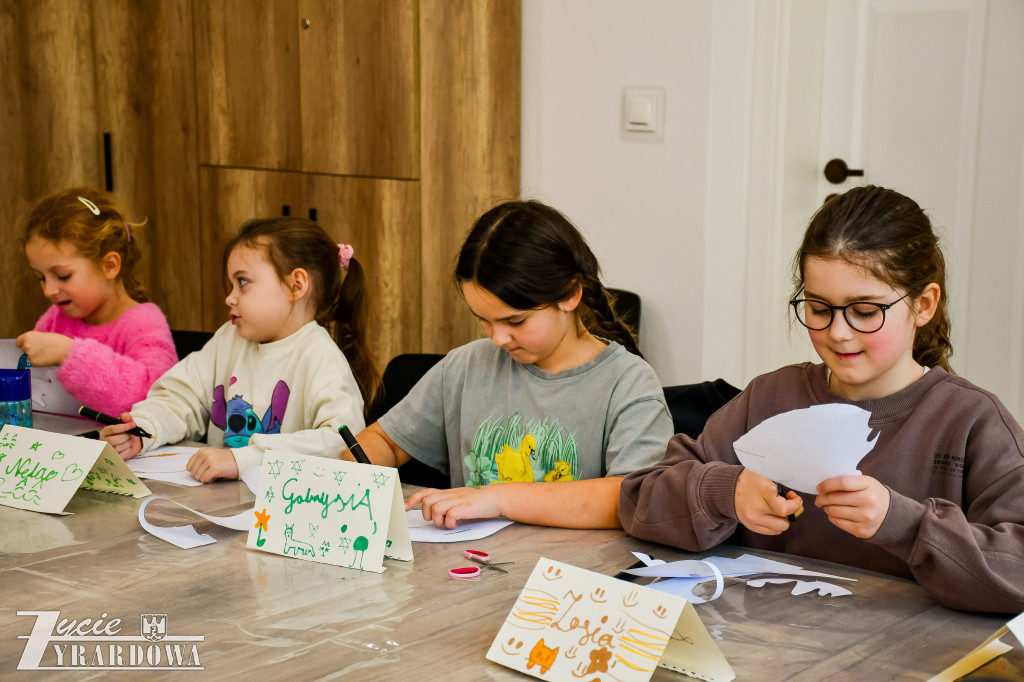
(92, 223)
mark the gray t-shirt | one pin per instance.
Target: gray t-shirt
(485, 418)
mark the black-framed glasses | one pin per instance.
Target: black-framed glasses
(862, 316)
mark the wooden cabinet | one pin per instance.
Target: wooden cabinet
(48, 121)
(316, 85)
(397, 120)
(146, 103)
(70, 72)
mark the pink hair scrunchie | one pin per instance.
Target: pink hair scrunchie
(345, 252)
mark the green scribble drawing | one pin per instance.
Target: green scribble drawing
(296, 547)
(359, 548)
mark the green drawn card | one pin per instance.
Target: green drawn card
(330, 511)
(40, 471)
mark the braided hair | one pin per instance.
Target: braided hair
(530, 255)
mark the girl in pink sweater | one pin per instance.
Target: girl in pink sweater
(110, 343)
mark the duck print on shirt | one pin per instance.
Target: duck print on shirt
(505, 451)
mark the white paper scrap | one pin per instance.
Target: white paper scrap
(188, 537)
(421, 530)
(801, 448)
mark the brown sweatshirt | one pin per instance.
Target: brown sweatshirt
(949, 452)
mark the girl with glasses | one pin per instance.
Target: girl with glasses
(940, 496)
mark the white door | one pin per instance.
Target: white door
(927, 97)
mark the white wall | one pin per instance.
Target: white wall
(642, 206)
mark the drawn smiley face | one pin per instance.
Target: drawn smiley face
(598, 596)
(661, 612)
(319, 472)
(552, 573)
(512, 646)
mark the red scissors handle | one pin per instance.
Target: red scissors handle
(477, 555)
(464, 572)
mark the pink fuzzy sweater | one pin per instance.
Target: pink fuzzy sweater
(111, 367)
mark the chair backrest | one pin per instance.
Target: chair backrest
(187, 341)
(400, 375)
(691, 405)
(627, 306)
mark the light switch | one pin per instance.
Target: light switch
(643, 114)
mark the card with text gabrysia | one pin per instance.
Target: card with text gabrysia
(40, 471)
(330, 511)
(569, 623)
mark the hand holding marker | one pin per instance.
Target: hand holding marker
(110, 420)
(353, 445)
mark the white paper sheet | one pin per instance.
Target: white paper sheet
(165, 464)
(801, 448)
(421, 530)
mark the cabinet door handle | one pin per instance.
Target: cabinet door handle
(108, 162)
(312, 214)
(286, 209)
(305, 22)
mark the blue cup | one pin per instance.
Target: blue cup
(16, 397)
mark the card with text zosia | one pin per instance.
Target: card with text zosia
(330, 511)
(570, 623)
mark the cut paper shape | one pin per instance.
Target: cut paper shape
(985, 652)
(801, 448)
(40, 471)
(165, 464)
(421, 530)
(569, 623)
(681, 578)
(330, 511)
(187, 537)
(803, 586)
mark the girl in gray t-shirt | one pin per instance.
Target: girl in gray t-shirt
(560, 393)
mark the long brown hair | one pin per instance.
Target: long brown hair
(890, 236)
(339, 295)
(65, 217)
(530, 255)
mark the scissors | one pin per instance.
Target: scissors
(466, 572)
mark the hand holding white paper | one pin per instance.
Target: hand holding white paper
(801, 448)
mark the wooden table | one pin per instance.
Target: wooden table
(269, 617)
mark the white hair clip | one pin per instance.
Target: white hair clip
(89, 205)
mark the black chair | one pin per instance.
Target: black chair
(626, 305)
(187, 341)
(691, 405)
(400, 375)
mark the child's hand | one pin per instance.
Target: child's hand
(210, 463)
(759, 507)
(448, 507)
(856, 504)
(124, 444)
(44, 349)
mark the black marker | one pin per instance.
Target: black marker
(792, 517)
(353, 445)
(109, 420)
